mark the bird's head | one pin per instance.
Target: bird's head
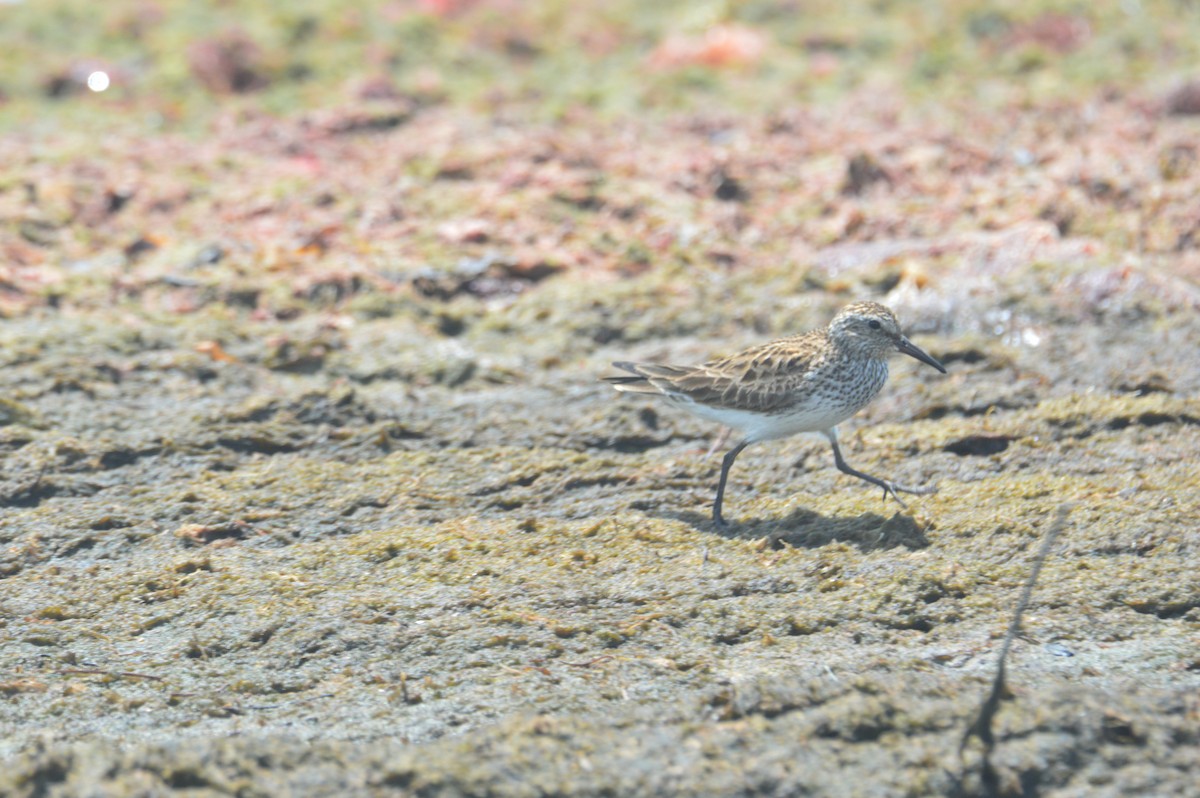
(872, 330)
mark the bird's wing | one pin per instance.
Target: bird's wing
(761, 379)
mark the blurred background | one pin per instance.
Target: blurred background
(170, 64)
(201, 143)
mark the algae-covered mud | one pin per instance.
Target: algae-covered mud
(309, 484)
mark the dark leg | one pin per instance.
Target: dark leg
(888, 487)
(725, 464)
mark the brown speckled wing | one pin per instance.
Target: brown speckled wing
(761, 379)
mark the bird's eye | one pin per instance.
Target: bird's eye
(873, 324)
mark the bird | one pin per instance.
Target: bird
(809, 382)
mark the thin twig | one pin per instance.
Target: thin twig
(99, 672)
(590, 662)
(982, 727)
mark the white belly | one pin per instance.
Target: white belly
(764, 427)
(824, 404)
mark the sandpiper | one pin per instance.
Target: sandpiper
(806, 383)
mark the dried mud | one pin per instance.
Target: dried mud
(449, 565)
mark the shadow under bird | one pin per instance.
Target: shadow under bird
(805, 383)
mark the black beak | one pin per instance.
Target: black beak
(912, 350)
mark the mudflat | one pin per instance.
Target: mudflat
(310, 485)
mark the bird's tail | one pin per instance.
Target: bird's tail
(647, 377)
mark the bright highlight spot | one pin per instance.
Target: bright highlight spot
(97, 81)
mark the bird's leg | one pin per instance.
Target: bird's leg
(726, 462)
(892, 488)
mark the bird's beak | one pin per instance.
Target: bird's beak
(912, 350)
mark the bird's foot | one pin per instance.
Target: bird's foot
(894, 489)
